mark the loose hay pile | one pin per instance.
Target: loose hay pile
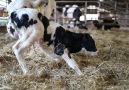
(107, 71)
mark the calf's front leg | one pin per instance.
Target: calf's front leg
(71, 62)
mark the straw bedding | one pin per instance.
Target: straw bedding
(107, 71)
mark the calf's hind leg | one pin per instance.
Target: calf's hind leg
(19, 49)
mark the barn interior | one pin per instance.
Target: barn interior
(109, 70)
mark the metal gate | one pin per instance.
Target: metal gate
(106, 10)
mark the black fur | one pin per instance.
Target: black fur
(12, 30)
(24, 6)
(23, 21)
(97, 24)
(65, 13)
(45, 21)
(77, 13)
(108, 24)
(13, 16)
(60, 49)
(74, 42)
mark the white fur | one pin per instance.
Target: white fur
(46, 10)
(16, 4)
(71, 10)
(64, 8)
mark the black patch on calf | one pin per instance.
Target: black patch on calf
(26, 22)
(59, 32)
(23, 21)
(89, 43)
(40, 16)
(45, 21)
(31, 22)
(18, 22)
(12, 30)
(13, 16)
(24, 18)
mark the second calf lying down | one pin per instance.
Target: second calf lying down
(29, 26)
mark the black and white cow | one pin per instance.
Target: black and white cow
(29, 26)
(72, 15)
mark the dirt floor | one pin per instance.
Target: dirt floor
(107, 71)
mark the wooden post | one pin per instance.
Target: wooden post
(85, 11)
(115, 9)
(55, 18)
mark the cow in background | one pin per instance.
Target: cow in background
(72, 15)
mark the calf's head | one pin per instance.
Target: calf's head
(59, 49)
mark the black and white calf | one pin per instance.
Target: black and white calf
(30, 27)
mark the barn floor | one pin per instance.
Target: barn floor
(107, 71)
